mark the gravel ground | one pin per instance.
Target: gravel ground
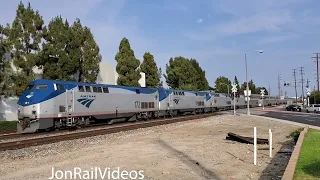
(187, 150)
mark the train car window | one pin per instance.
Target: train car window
(99, 89)
(183, 93)
(151, 104)
(60, 87)
(137, 91)
(105, 90)
(80, 88)
(42, 86)
(94, 89)
(88, 89)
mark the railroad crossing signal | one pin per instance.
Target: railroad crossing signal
(234, 87)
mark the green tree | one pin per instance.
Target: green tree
(181, 74)
(222, 84)
(201, 82)
(251, 85)
(69, 53)
(149, 67)
(314, 97)
(236, 82)
(25, 35)
(127, 65)
(57, 58)
(6, 72)
(87, 53)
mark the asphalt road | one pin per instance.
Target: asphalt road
(299, 117)
(310, 119)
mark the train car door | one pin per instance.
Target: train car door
(70, 101)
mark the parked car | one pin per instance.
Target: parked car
(293, 107)
(313, 108)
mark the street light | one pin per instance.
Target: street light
(247, 89)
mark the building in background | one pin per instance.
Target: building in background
(109, 75)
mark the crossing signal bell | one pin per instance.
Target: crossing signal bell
(286, 84)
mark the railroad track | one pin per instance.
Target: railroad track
(19, 144)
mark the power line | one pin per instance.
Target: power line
(295, 84)
(301, 73)
(317, 65)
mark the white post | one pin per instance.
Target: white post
(234, 103)
(270, 142)
(255, 145)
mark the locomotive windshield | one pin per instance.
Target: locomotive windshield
(39, 86)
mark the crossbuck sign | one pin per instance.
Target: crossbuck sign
(262, 92)
(234, 88)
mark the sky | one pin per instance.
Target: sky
(217, 33)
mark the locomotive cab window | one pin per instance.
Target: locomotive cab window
(29, 87)
(42, 86)
(137, 91)
(60, 87)
(88, 89)
(81, 88)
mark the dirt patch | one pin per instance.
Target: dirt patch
(188, 150)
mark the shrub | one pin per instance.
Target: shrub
(295, 134)
(8, 125)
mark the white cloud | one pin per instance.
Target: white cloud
(251, 16)
(199, 20)
(280, 38)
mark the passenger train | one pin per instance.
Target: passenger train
(50, 104)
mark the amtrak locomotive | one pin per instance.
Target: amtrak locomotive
(50, 104)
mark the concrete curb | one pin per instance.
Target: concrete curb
(285, 121)
(289, 172)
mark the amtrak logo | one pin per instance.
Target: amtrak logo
(176, 101)
(85, 101)
(30, 95)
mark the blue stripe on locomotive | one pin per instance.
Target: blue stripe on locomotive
(38, 96)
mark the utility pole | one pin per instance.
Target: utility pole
(269, 92)
(314, 97)
(295, 84)
(301, 73)
(279, 87)
(317, 65)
